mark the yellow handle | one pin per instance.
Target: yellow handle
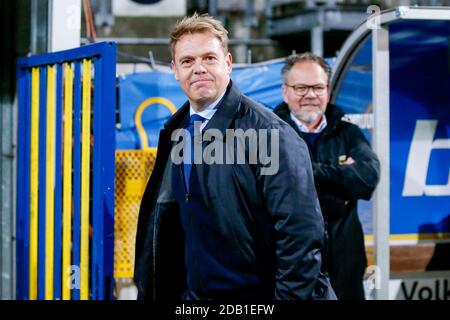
(138, 116)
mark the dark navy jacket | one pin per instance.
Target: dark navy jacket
(215, 269)
(339, 187)
(272, 222)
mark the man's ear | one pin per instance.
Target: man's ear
(328, 93)
(229, 62)
(172, 65)
(284, 92)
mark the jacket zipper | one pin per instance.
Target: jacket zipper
(154, 251)
(187, 195)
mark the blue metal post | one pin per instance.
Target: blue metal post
(23, 184)
(58, 186)
(107, 130)
(42, 179)
(97, 204)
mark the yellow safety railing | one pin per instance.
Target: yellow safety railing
(34, 185)
(133, 169)
(67, 183)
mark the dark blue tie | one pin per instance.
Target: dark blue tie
(190, 146)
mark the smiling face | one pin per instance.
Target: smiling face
(202, 68)
(310, 107)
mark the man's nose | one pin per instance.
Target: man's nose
(198, 67)
(310, 93)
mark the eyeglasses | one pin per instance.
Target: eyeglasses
(301, 90)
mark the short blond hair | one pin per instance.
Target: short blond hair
(199, 24)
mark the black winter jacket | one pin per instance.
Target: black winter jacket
(273, 220)
(339, 187)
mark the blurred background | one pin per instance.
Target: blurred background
(262, 33)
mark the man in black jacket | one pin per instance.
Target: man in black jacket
(245, 228)
(344, 166)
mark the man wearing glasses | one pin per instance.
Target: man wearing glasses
(345, 167)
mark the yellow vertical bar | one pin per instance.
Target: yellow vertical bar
(34, 166)
(67, 182)
(50, 185)
(85, 168)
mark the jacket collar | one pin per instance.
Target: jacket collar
(282, 110)
(333, 114)
(226, 110)
(176, 120)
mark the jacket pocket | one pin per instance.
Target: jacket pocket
(323, 289)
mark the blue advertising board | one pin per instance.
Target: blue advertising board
(420, 129)
(419, 126)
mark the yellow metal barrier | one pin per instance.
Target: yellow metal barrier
(133, 169)
(67, 182)
(34, 167)
(50, 184)
(85, 185)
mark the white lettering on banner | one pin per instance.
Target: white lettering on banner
(418, 161)
(414, 290)
(362, 120)
(430, 285)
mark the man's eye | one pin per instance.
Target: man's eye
(186, 61)
(210, 58)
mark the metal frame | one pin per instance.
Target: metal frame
(381, 107)
(166, 41)
(351, 45)
(381, 103)
(103, 56)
